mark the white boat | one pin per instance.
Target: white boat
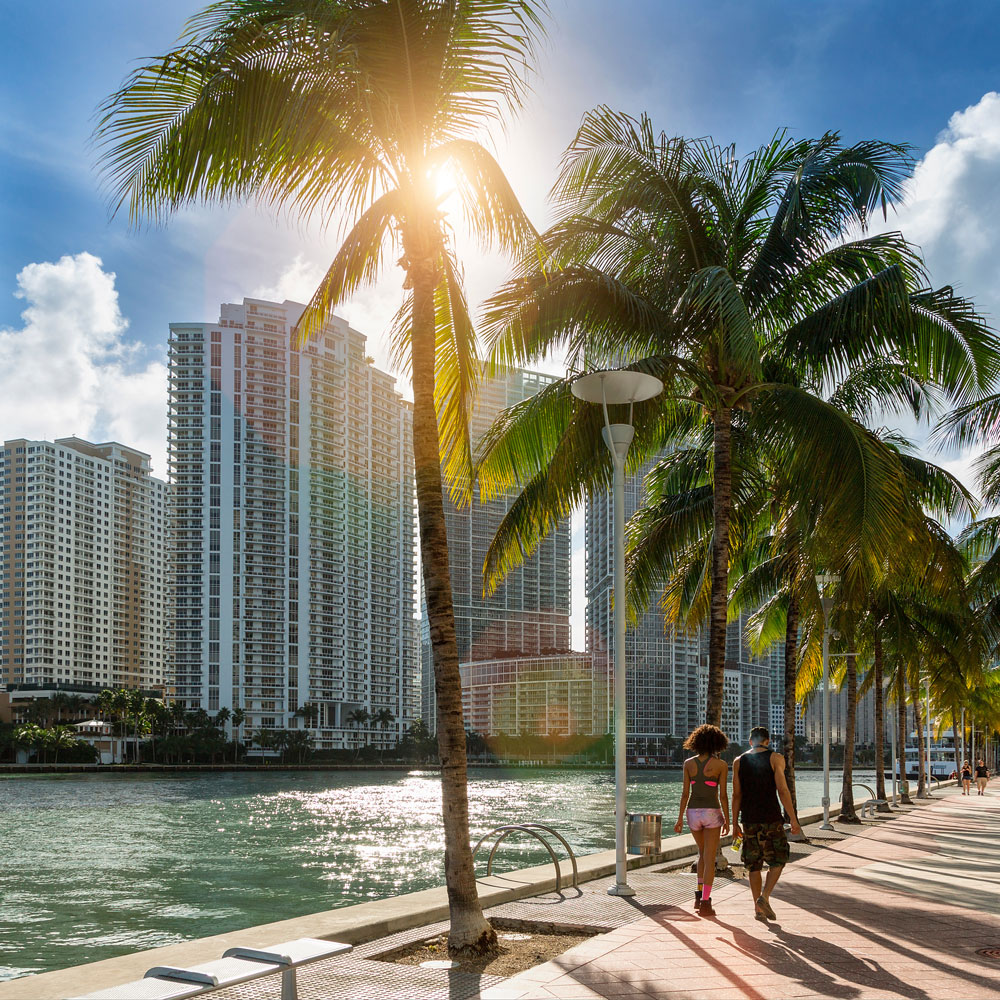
(942, 761)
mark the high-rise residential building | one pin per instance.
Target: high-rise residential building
(663, 690)
(294, 524)
(666, 668)
(83, 566)
(550, 695)
(528, 614)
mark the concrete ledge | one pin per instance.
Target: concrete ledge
(351, 924)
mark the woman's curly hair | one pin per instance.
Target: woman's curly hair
(707, 739)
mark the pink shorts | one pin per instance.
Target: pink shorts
(704, 819)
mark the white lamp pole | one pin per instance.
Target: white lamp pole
(892, 754)
(927, 731)
(824, 581)
(614, 388)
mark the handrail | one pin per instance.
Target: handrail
(861, 784)
(530, 828)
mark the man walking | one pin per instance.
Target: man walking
(758, 783)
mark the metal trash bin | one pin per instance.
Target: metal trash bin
(643, 833)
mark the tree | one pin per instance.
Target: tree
(735, 283)
(357, 106)
(239, 717)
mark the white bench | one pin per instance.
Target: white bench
(237, 965)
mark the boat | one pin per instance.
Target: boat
(942, 761)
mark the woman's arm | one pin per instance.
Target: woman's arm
(736, 798)
(724, 796)
(685, 793)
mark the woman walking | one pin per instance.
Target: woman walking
(706, 800)
(966, 777)
(982, 776)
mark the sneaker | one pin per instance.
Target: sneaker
(705, 908)
(760, 910)
(697, 898)
(766, 906)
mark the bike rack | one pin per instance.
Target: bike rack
(869, 804)
(533, 829)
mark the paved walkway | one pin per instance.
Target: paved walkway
(899, 910)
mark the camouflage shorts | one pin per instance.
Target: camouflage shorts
(764, 842)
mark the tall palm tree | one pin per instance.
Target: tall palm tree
(238, 718)
(717, 274)
(356, 107)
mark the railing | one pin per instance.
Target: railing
(503, 832)
(870, 804)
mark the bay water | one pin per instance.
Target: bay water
(97, 865)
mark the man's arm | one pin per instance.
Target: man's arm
(737, 796)
(778, 765)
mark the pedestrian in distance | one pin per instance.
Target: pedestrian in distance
(966, 777)
(758, 783)
(982, 776)
(705, 801)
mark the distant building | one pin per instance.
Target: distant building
(864, 731)
(777, 724)
(528, 614)
(83, 566)
(537, 695)
(294, 523)
(666, 668)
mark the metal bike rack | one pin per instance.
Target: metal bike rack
(869, 804)
(503, 832)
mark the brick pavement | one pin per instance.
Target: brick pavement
(896, 911)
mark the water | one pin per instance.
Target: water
(96, 865)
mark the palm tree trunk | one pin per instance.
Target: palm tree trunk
(921, 764)
(847, 812)
(791, 677)
(878, 668)
(469, 932)
(904, 785)
(955, 719)
(719, 610)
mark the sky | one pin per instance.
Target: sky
(85, 301)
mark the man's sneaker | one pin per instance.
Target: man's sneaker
(760, 909)
(705, 908)
(697, 898)
(767, 908)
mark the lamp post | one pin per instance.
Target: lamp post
(824, 582)
(892, 754)
(616, 388)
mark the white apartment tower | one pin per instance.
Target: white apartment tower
(294, 522)
(84, 591)
(529, 612)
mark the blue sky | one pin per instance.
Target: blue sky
(85, 303)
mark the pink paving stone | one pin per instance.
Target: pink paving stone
(839, 932)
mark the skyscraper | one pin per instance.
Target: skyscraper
(529, 612)
(662, 665)
(666, 669)
(83, 566)
(294, 525)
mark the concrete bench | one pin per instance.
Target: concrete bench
(237, 965)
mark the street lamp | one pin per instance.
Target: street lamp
(614, 388)
(928, 770)
(824, 583)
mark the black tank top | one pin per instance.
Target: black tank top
(758, 792)
(966, 774)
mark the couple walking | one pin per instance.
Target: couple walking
(982, 777)
(758, 783)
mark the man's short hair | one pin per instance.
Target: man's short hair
(759, 734)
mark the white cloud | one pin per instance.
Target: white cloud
(70, 369)
(296, 282)
(952, 204)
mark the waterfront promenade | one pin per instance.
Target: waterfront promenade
(898, 910)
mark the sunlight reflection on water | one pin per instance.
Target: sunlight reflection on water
(100, 865)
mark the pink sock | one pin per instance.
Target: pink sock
(706, 892)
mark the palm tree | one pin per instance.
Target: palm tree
(60, 738)
(238, 718)
(723, 277)
(383, 718)
(357, 107)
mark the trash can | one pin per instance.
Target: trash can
(643, 833)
